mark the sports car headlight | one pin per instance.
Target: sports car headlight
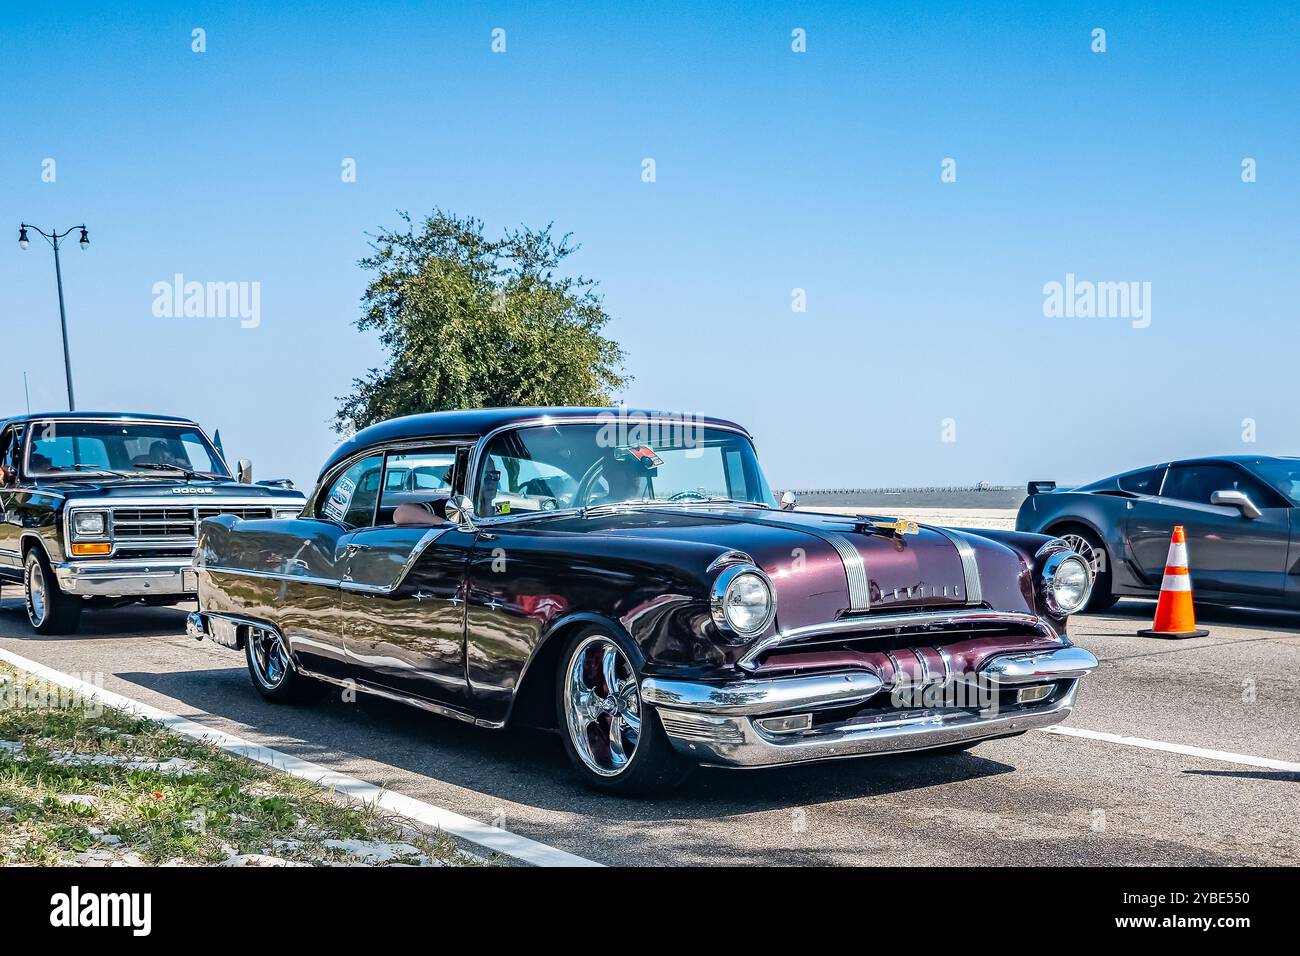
(88, 524)
(1067, 582)
(742, 601)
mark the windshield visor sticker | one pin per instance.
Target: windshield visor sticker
(336, 508)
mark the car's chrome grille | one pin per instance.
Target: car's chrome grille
(168, 522)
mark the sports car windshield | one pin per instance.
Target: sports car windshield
(118, 448)
(1282, 474)
(555, 467)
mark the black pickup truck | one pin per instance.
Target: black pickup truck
(103, 509)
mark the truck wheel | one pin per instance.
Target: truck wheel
(271, 670)
(614, 740)
(49, 610)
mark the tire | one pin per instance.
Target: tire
(271, 670)
(593, 715)
(1090, 547)
(49, 610)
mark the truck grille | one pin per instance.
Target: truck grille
(131, 524)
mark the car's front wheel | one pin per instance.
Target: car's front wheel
(612, 737)
(1088, 546)
(271, 669)
(49, 610)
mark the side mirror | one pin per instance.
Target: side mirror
(7, 476)
(1236, 499)
(788, 500)
(460, 512)
(245, 471)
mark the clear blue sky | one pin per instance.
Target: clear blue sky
(775, 171)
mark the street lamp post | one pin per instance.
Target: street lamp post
(53, 239)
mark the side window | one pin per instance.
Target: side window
(9, 451)
(415, 476)
(1198, 482)
(1143, 482)
(352, 497)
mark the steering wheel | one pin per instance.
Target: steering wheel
(689, 495)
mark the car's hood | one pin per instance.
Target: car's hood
(162, 488)
(812, 558)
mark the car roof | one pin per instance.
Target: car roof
(94, 416)
(473, 423)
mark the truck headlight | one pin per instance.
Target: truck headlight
(742, 600)
(1067, 583)
(89, 524)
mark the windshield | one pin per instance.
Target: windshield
(550, 467)
(1283, 474)
(120, 448)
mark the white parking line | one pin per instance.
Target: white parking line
(1223, 756)
(501, 841)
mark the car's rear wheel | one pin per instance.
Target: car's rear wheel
(1088, 546)
(614, 740)
(49, 610)
(271, 669)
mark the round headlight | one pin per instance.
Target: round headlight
(743, 601)
(88, 522)
(1067, 582)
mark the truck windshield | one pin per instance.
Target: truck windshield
(58, 447)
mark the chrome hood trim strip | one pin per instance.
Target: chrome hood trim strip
(970, 568)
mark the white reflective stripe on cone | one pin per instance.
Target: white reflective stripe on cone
(1177, 582)
(1177, 555)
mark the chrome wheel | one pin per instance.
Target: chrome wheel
(37, 603)
(1080, 546)
(602, 706)
(267, 654)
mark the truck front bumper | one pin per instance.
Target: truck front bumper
(769, 722)
(134, 577)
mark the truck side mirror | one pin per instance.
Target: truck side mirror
(245, 471)
(788, 500)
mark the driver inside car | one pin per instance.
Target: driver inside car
(627, 479)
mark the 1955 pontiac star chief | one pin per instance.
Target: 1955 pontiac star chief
(630, 579)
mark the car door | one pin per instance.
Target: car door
(403, 611)
(10, 526)
(1230, 554)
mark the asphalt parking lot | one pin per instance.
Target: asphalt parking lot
(1041, 798)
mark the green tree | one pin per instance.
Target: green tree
(473, 322)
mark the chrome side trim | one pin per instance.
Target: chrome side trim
(749, 697)
(871, 624)
(1062, 664)
(430, 536)
(271, 575)
(855, 570)
(970, 568)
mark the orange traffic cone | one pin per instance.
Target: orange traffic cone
(1174, 614)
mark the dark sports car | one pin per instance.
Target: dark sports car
(629, 579)
(1239, 512)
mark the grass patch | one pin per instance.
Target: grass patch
(85, 784)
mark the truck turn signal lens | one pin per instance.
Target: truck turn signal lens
(85, 550)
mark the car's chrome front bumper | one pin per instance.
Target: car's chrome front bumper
(134, 577)
(723, 724)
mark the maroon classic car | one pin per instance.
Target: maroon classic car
(630, 579)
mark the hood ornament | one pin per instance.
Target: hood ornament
(897, 527)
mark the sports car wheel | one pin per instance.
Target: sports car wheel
(49, 610)
(271, 670)
(1086, 545)
(613, 739)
